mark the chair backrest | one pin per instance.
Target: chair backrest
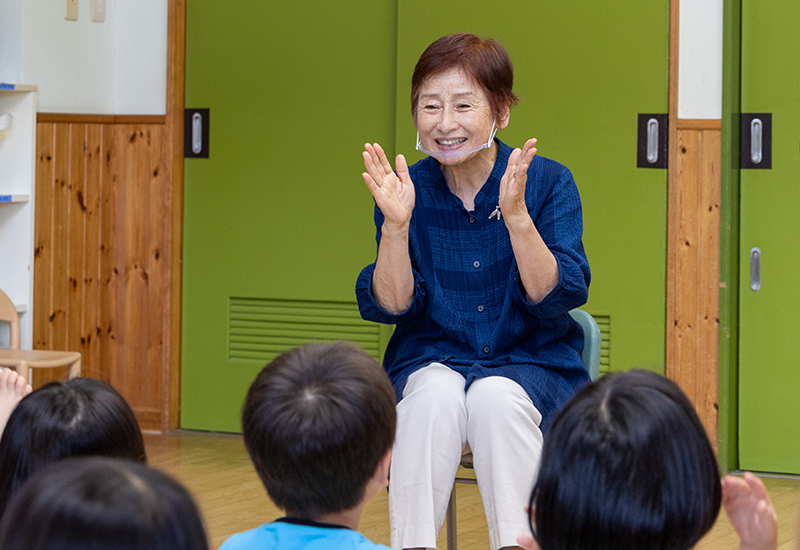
(592, 341)
(8, 314)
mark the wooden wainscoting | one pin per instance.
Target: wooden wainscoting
(692, 354)
(103, 253)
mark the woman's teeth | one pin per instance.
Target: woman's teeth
(450, 142)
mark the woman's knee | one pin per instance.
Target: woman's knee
(500, 398)
(436, 385)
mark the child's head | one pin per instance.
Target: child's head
(626, 465)
(98, 503)
(79, 417)
(317, 422)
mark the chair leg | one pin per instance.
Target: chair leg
(74, 369)
(452, 532)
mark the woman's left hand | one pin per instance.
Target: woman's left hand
(538, 268)
(512, 185)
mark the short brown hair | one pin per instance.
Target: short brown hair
(482, 59)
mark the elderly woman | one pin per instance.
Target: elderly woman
(479, 261)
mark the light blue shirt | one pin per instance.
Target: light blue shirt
(292, 534)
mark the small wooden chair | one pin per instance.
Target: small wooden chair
(22, 360)
(592, 341)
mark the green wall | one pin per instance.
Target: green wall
(279, 211)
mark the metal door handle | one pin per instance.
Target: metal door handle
(756, 140)
(652, 141)
(755, 269)
(197, 133)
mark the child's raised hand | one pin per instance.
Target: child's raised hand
(750, 512)
(527, 542)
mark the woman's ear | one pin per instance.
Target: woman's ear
(503, 122)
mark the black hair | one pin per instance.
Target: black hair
(79, 417)
(317, 421)
(101, 503)
(626, 465)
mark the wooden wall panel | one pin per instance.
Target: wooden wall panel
(102, 275)
(42, 253)
(108, 245)
(693, 267)
(76, 241)
(60, 235)
(90, 327)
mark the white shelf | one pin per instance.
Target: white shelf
(17, 201)
(8, 199)
(5, 87)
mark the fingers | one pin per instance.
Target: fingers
(14, 384)
(733, 488)
(384, 162)
(402, 169)
(527, 542)
(21, 387)
(376, 164)
(520, 160)
(375, 157)
(529, 149)
(370, 183)
(757, 488)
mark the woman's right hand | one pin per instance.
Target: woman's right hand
(393, 192)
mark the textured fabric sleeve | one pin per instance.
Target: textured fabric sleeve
(368, 305)
(559, 221)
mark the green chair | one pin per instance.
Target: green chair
(592, 341)
(590, 355)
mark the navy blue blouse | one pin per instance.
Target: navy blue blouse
(469, 309)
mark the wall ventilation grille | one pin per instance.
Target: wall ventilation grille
(604, 322)
(261, 329)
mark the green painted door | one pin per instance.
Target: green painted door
(584, 72)
(277, 219)
(769, 379)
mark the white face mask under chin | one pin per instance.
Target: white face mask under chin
(459, 153)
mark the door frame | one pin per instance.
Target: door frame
(729, 239)
(173, 142)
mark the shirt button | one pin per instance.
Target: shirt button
(480, 309)
(472, 219)
(486, 350)
(476, 264)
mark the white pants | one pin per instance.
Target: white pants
(435, 418)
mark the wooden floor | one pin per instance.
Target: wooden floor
(218, 472)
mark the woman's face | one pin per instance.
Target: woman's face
(453, 113)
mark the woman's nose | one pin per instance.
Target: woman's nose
(448, 120)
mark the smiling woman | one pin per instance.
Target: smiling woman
(479, 261)
(451, 105)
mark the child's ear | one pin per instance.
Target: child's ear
(382, 471)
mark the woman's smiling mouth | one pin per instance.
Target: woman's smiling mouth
(450, 142)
